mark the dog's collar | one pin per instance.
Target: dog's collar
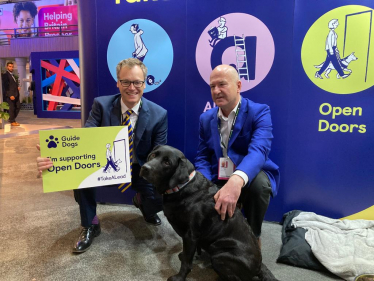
(179, 187)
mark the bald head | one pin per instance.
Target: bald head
(225, 87)
(226, 70)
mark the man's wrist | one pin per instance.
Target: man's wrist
(243, 176)
(237, 180)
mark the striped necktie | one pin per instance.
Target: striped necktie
(127, 122)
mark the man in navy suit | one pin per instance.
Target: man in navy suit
(11, 90)
(149, 122)
(234, 144)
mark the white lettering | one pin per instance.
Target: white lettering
(57, 17)
(208, 106)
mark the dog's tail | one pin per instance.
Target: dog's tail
(266, 274)
(318, 66)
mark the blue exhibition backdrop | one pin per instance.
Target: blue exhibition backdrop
(324, 171)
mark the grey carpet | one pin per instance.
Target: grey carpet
(38, 230)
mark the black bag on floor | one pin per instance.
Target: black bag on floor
(295, 250)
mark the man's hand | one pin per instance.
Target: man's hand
(12, 98)
(42, 163)
(227, 197)
(19, 88)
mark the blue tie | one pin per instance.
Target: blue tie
(127, 122)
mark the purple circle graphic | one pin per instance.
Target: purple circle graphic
(237, 24)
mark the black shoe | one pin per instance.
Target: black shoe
(154, 220)
(86, 237)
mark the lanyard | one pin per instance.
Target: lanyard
(232, 126)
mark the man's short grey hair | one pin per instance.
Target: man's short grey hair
(130, 63)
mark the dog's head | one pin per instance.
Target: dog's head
(166, 167)
(352, 56)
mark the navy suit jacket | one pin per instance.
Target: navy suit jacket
(10, 86)
(151, 128)
(248, 147)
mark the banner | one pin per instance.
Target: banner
(329, 149)
(55, 21)
(85, 157)
(310, 61)
(156, 38)
(22, 19)
(57, 84)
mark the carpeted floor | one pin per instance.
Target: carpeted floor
(38, 230)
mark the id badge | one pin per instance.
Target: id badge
(225, 168)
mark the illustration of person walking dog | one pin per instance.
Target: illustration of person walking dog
(333, 59)
(111, 162)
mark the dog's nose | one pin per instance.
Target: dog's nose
(144, 171)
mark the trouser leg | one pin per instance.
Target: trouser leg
(325, 64)
(18, 107)
(12, 110)
(336, 64)
(141, 58)
(86, 198)
(255, 199)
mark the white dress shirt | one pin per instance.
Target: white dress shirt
(226, 125)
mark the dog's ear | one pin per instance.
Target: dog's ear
(181, 174)
(154, 149)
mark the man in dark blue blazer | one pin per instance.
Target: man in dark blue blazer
(149, 123)
(11, 93)
(234, 144)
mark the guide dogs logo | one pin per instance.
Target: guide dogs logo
(336, 50)
(239, 40)
(52, 142)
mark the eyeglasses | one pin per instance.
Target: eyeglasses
(126, 83)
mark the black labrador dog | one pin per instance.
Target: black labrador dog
(189, 207)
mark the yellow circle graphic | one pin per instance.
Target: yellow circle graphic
(336, 51)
